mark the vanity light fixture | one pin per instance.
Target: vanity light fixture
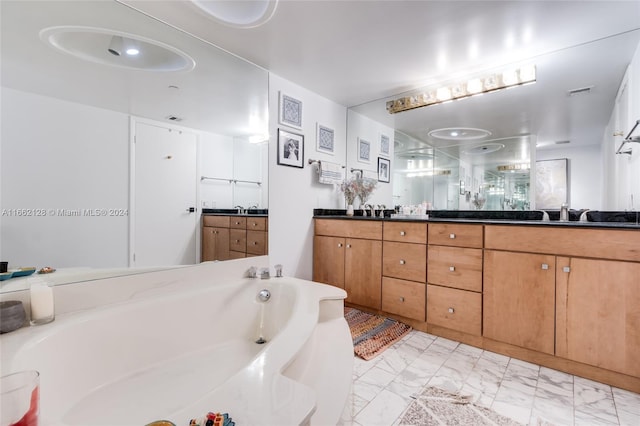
(472, 87)
(514, 167)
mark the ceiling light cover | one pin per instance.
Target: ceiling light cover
(238, 14)
(484, 149)
(459, 133)
(115, 48)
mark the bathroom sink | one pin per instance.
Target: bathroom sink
(613, 216)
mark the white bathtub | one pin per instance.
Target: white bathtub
(184, 349)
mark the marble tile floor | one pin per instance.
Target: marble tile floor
(529, 394)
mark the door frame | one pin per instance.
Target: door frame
(133, 121)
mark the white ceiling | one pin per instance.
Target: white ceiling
(357, 51)
(361, 53)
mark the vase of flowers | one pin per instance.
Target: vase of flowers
(348, 188)
(365, 187)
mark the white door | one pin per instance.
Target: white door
(164, 194)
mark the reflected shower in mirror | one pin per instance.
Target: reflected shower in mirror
(72, 110)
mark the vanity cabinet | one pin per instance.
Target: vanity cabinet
(603, 297)
(404, 269)
(233, 237)
(454, 275)
(348, 254)
(519, 299)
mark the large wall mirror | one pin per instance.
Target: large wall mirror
(69, 92)
(480, 152)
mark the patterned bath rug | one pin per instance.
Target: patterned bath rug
(437, 407)
(372, 334)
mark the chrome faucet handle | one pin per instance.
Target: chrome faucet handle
(252, 272)
(278, 269)
(265, 274)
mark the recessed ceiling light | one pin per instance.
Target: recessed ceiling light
(459, 133)
(115, 48)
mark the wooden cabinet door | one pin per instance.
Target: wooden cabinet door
(363, 272)
(215, 243)
(519, 299)
(328, 260)
(598, 313)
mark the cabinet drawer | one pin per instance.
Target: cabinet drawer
(238, 240)
(404, 260)
(256, 242)
(352, 228)
(615, 244)
(453, 234)
(455, 309)
(405, 298)
(238, 222)
(406, 232)
(455, 267)
(257, 223)
(216, 221)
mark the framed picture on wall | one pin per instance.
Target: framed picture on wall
(324, 139)
(384, 169)
(364, 151)
(290, 149)
(384, 144)
(290, 111)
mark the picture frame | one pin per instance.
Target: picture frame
(364, 151)
(385, 143)
(384, 170)
(552, 183)
(290, 149)
(325, 139)
(290, 111)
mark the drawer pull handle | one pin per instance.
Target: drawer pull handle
(452, 268)
(237, 223)
(402, 262)
(339, 244)
(348, 245)
(403, 233)
(566, 269)
(452, 236)
(237, 241)
(401, 299)
(545, 266)
(451, 310)
(255, 243)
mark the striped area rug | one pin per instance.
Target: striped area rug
(372, 334)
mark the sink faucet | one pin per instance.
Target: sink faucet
(583, 216)
(265, 274)
(240, 209)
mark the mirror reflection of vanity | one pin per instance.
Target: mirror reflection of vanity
(441, 156)
(69, 110)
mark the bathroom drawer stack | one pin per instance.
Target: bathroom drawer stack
(404, 269)
(454, 272)
(233, 237)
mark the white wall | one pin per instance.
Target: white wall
(295, 192)
(621, 172)
(370, 130)
(58, 155)
(585, 174)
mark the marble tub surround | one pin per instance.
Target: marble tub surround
(384, 387)
(136, 349)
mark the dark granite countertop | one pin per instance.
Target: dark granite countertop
(530, 218)
(234, 212)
